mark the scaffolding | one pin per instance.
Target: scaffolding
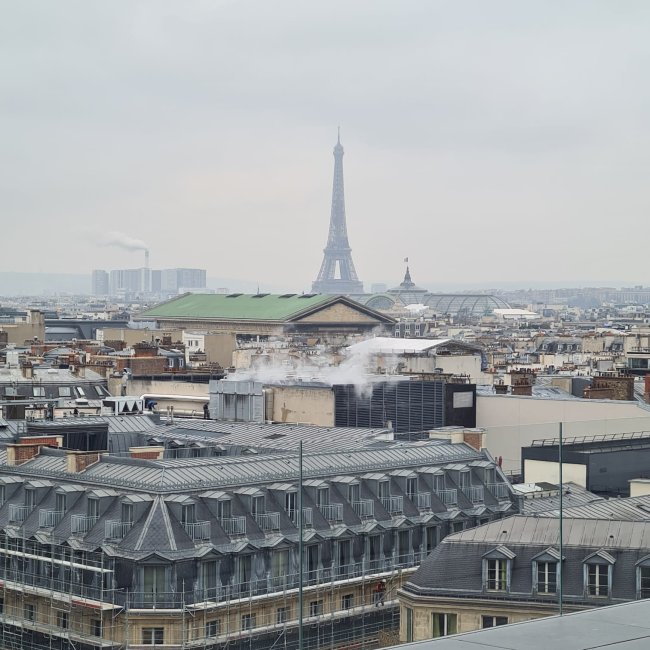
(64, 600)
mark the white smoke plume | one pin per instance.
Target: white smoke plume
(322, 366)
(121, 240)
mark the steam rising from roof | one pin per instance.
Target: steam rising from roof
(121, 240)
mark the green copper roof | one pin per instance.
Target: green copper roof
(236, 306)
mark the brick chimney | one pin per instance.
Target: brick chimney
(77, 461)
(30, 447)
(147, 453)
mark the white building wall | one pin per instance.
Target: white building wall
(512, 422)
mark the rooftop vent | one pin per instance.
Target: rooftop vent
(308, 295)
(233, 295)
(260, 295)
(287, 295)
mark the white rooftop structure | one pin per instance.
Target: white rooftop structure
(387, 345)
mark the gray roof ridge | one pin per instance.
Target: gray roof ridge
(168, 525)
(147, 523)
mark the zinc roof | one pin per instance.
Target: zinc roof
(236, 306)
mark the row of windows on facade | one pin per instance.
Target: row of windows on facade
(258, 503)
(61, 391)
(444, 624)
(156, 635)
(597, 576)
(62, 618)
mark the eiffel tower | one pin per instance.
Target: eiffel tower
(337, 274)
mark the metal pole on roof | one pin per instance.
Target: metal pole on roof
(301, 560)
(559, 575)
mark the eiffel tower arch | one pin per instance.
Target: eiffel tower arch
(337, 273)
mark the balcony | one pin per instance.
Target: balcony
(49, 518)
(307, 518)
(364, 508)
(423, 500)
(499, 490)
(116, 529)
(197, 530)
(268, 521)
(18, 514)
(81, 524)
(233, 525)
(333, 512)
(473, 493)
(448, 497)
(393, 505)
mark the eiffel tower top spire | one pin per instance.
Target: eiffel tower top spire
(337, 273)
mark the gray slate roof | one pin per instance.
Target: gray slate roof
(619, 627)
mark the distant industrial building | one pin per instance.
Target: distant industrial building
(134, 282)
(100, 283)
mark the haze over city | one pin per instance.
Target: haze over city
(476, 134)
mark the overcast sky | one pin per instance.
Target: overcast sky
(489, 141)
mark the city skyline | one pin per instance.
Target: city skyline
(476, 140)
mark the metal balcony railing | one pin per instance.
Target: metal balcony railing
(49, 518)
(473, 493)
(448, 497)
(116, 529)
(393, 505)
(233, 525)
(307, 517)
(423, 500)
(18, 514)
(82, 523)
(268, 521)
(333, 512)
(364, 508)
(197, 530)
(499, 490)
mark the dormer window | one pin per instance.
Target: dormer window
(257, 506)
(225, 509)
(323, 497)
(188, 514)
(643, 578)
(545, 572)
(92, 508)
(438, 482)
(384, 489)
(411, 487)
(497, 565)
(60, 502)
(30, 497)
(598, 569)
(127, 513)
(464, 480)
(291, 503)
(354, 494)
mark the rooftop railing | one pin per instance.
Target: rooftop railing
(473, 493)
(423, 500)
(18, 514)
(268, 521)
(49, 518)
(333, 512)
(233, 525)
(499, 490)
(448, 497)
(116, 529)
(197, 530)
(307, 518)
(364, 508)
(82, 523)
(393, 505)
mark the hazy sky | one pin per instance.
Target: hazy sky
(488, 141)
